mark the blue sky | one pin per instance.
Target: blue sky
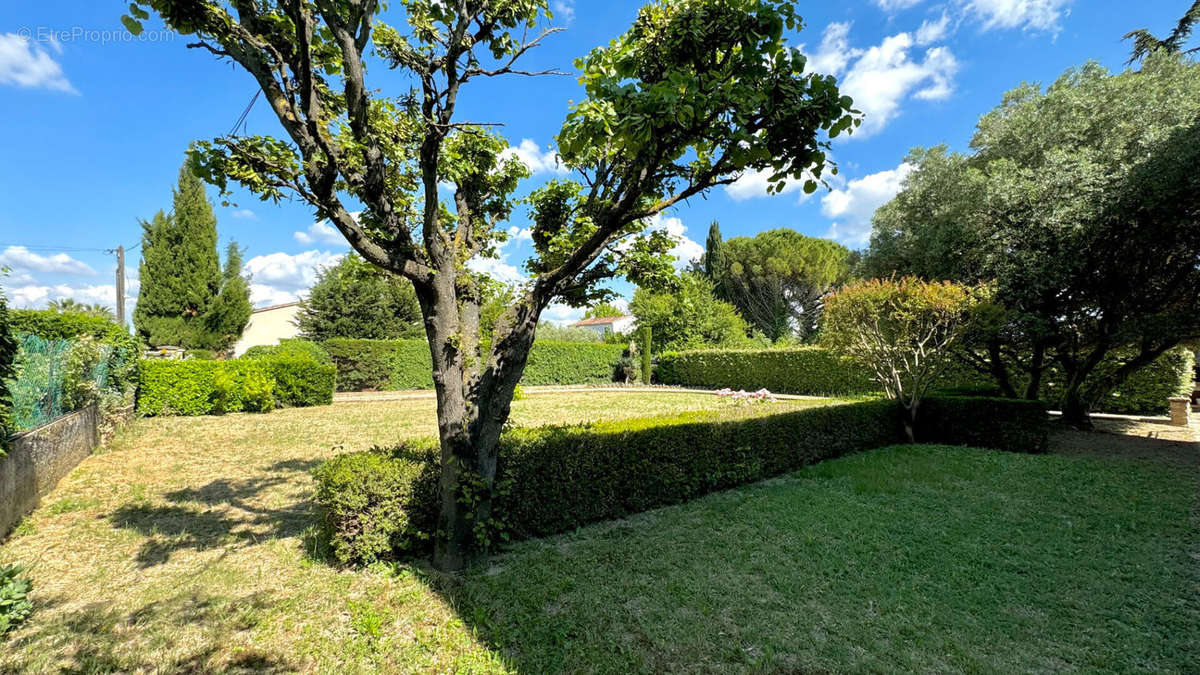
(95, 124)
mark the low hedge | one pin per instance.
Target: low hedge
(303, 372)
(383, 504)
(395, 365)
(816, 371)
(196, 387)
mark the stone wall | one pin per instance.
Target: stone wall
(37, 459)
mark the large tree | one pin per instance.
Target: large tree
(693, 95)
(1080, 203)
(777, 278)
(355, 299)
(180, 271)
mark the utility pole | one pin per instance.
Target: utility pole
(121, 285)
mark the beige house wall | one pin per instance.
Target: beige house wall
(268, 326)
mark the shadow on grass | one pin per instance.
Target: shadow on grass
(104, 640)
(1129, 440)
(222, 513)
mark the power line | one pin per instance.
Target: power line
(241, 120)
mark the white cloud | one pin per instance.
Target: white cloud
(281, 277)
(323, 232)
(533, 157)
(34, 295)
(685, 250)
(834, 52)
(516, 234)
(896, 5)
(851, 208)
(932, 31)
(21, 258)
(563, 315)
(565, 10)
(24, 63)
(498, 269)
(245, 214)
(1028, 14)
(882, 77)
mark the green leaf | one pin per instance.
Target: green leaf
(131, 24)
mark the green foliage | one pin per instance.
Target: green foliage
(809, 371)
(570, 363)
(383, 504)
(375, 504)
(689, 316)
(1145, 43)
(15, 605)
(1079, 203)
(304, 373)
(776, 279)
(195, 387)
(552, 332)
(603, 310)
(901, 330)
(818, 371)
(646, 346)
(122, 362)
(384, 365)
(227, 315)
(8, 359)
(185, 298)
(354, 299)
(984, 422)
(72, 306)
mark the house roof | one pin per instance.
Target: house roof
(267, 309)
(600, 321)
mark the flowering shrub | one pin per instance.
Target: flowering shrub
(742, 396)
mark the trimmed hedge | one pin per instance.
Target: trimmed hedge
(808, 371)
(816, 371)
(396, 365)
(196, 387)
(303, 372)
(382, 504)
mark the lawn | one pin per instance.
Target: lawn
(188, 547)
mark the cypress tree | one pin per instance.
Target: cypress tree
(714, 258)
(230, 310)
(180, 271)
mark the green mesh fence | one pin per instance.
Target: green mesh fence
(56, 377)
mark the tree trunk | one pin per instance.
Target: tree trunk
(1076, 412)
(1037, 365)
(474, 403)
(909, 418)
(999, 371)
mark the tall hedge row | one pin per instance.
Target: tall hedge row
(303, 372)
(816, 371)
(394, 365)
(383, 504)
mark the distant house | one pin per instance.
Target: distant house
(268, 326)
(608, 324)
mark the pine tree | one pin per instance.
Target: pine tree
(230, 311)
(180, 272)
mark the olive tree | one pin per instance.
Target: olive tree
(902, 330)
(695, 93)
